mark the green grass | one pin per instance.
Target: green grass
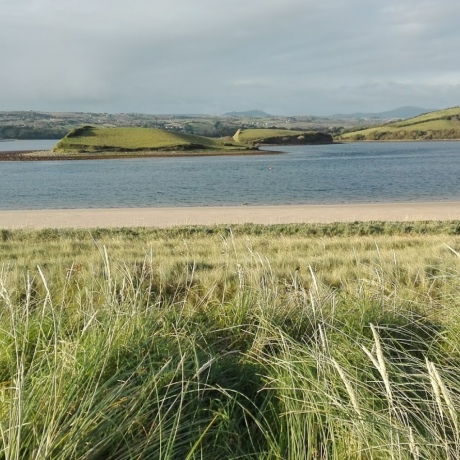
(277, 342)
(279, 136)
(442, 124)
(255, 135)
(436, 115)
(93, 139)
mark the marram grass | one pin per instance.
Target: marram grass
(220, 343)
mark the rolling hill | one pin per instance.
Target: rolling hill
(437, 125)
(400, 112)
(90, 139)
(280, 137)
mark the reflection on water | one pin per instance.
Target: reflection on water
(359, 172)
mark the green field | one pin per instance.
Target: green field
(248, 342)
(442, 124)
(92, 139)
(279, 136)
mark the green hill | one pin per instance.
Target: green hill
(440, 124)
(280, 137)
(90, 139)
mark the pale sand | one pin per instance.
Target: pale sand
(168, 217)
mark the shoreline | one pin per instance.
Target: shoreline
(45, 155)
(229, 215)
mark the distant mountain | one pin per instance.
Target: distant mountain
(248, 113)
(401, 112)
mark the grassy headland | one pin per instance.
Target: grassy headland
(266, 136)
(269, 342)
(441, 124)
(89, 139)
(89, 142)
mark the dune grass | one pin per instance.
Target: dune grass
(441, 124)
(91, 139)
(278, 342)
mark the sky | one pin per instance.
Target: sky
(285, 57)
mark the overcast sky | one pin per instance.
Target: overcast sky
(286, 57)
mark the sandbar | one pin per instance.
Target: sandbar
(187, 216)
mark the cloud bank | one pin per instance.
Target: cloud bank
(281, 56)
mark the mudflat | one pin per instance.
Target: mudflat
(169, 217)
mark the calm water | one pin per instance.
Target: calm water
(14, 145)
(361, 172)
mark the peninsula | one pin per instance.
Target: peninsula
(92, 142)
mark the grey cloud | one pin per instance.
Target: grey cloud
(289, 56)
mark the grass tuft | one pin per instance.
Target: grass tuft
(259, 342)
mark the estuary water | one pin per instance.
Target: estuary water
(37, 144)
(337, 173)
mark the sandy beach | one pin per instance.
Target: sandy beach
(169, 217)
